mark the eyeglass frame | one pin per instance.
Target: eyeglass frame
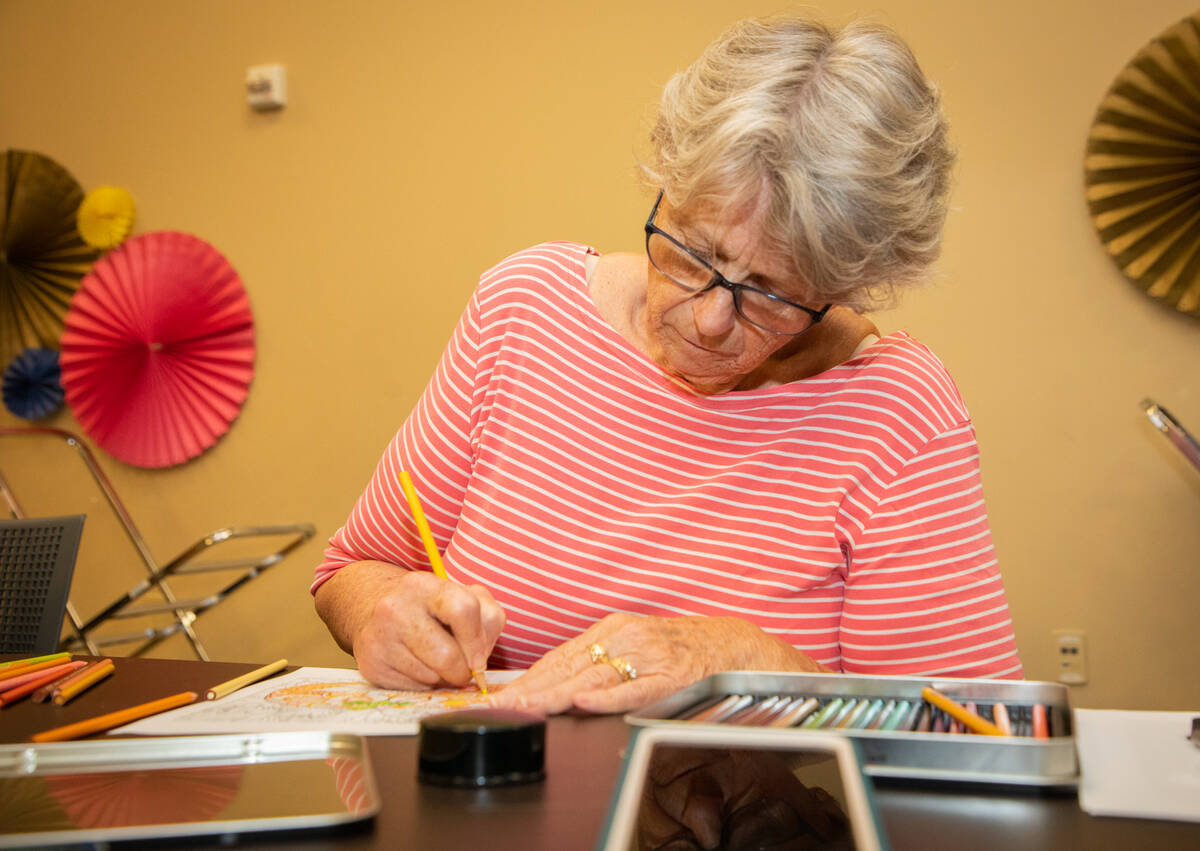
(719, 280)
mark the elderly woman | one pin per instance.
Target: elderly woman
(643, 469)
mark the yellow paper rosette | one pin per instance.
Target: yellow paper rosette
(106, 216)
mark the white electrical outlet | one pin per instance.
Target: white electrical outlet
(1070, 654)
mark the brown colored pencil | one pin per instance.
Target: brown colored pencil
(83, 681)
(114, 719)
(47, 691)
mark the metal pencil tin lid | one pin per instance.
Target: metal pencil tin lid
(475, 748)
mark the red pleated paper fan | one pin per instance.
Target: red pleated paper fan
(158, 351)
(130, 798)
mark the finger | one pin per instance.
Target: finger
(458, 611)
(559, 696)
(397, 668)
(624, 696)
(493, 618)
(563, 662)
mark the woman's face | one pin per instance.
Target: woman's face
(699, 339)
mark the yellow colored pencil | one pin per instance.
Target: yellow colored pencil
(414, 505)
(20, 663)
(961, 713)
(77, 685)
(435, 558)
(114, 719)
(230, 686)
(47, 692)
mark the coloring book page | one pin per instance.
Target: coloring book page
(336, 700)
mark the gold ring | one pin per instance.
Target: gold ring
(597, 654)
(627, 671)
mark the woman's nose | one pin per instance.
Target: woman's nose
(714, 311)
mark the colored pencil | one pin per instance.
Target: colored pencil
(960, 713)
(24, 675)
(1000, 714)
(781, 706)
(47, 691)
(230, 686)
(721, 711)
(114, 719)
(22, 670)
(868, 717)
(796, 713)
(80, 683)
(1041, 724)
(850, 719)
(19, 663)
(818, 719)
(431, 550)
(52, 675)
(751, 714)
(695, 709)
(882, 716)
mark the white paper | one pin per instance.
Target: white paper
(1138, 764)
(336, 700)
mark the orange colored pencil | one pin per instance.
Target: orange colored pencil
(79, 684)
(22, 670)
(960, 713)
(25, 689)
(1041, 724)
(114, 719)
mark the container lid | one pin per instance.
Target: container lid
(482, 747)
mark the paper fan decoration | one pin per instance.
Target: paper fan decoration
(32, 388)
(158, 350)
(1143, 168)
(106, 216)
(42, 257)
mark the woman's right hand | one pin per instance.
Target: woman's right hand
(408, 628)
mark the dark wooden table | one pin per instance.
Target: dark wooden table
(583, 756)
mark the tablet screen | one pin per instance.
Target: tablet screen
(111, 793)
(691, 795)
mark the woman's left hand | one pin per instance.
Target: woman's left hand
(625, 661)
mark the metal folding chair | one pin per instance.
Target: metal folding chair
(230, 574)
(37, 560)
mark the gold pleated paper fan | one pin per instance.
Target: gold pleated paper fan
(1142, 169)
(106, 216)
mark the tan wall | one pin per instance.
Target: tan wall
(421, 146)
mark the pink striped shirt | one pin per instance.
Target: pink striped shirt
(559, 467)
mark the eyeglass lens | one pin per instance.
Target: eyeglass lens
(753, 305)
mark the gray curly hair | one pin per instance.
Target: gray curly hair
(840, 127)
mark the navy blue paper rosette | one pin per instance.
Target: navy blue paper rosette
(32, 386)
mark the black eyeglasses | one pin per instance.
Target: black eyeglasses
(684, 268)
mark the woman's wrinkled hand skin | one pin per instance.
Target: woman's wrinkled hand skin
(699, 798)
(666, 653)
(424, 631)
